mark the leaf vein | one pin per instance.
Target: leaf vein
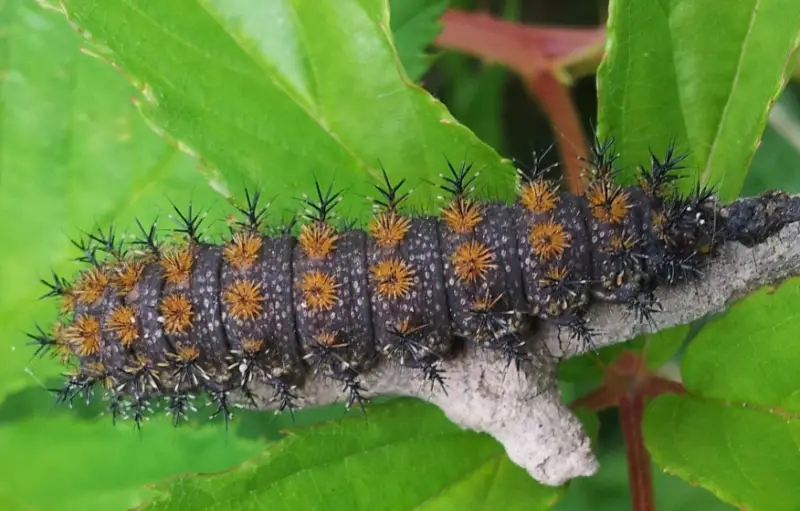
(723, 116)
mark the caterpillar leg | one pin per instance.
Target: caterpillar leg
(187, 372)
(136, 406)
(353, 388)
(180, 403)
(511, 345)
(432, 371)
(116, 407)
(139, 408)
(579, 331)
(282, 394)
(224, 405)
(75, 385)
(405, 345)
(644, 306)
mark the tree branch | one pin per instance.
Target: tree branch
(523, 410)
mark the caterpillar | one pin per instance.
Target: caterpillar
(157, 320)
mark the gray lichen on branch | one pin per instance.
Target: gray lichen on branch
(523, 410)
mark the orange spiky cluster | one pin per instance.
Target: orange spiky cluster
(177, 265)
(252, 346)
(407, 327)
(84, 335)
(95, 371)
(90, 286)
(177, 313)
(539, 196)
(127, 275)
(555, 274)
(608, 202)
(317, 239)
(185, 353)
(62, 346)
(659, 224)
(320, 290)
(242, 251)
(327, 339)
(472, 261)
(68, 301)
(389, 228)
(244, 300)
(549, 240)
(394, 277)
(138, 363)
(462, 215)
(122, 323)
(486, 302)
(619, 241)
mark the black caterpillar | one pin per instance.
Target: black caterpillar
(149, 319)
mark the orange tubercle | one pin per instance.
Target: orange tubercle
(472, 261)
(389, 228)
(84, 335)
(244, 300)
(242, 251)
(127, 275)
(549, 240)
(394, 277)
(122, 323)
(609, 202)
(317, 239)
(177, 265)
(90, 285)
(462, 215)
(320, 290)
(176, 313)
(539, 196)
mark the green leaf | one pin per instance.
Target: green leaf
(609, 489)
(415, 25)
(275, 93)
(475, 96)
(738, 432)
(746, 457)
(407, 455)
(590, 422)
(475, 90)
(756, 340)
(658, 348)
(778, 157)
(704, 73)
(75, 151)
(65, 464)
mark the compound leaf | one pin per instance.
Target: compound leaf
(406, 455)
(415, 24)
(738, 431)
(703, 73)
(278, 93)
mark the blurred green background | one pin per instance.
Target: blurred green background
(63, 114)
